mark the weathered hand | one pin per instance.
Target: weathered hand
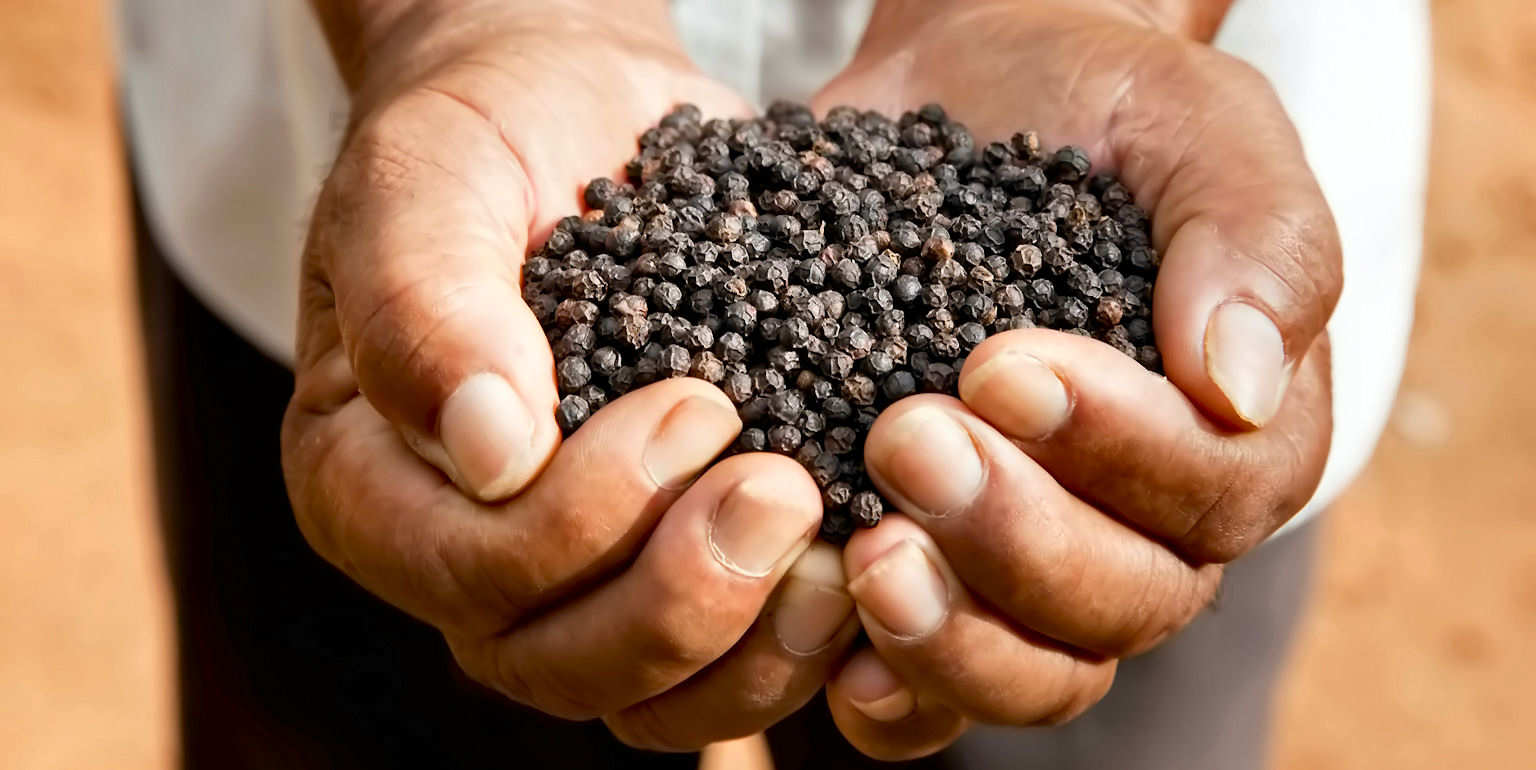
(593, 578)
(1084, 505)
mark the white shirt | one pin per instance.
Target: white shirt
(235, 110)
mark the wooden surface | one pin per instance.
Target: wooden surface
(1418, 653)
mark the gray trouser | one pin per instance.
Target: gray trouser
(1200, 702)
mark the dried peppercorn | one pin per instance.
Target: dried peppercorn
(817, 272)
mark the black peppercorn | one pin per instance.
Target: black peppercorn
(571, 413)
(752, 440)
(819, 271)
(859, 390)
(784, 439)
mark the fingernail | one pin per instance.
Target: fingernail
(1245, 357)
(875, 691)
(754, 529)
(904, 591)
(930, 459)
(1018, 394)
(892, 708)
(487, 432)
(813, 602)
(688, 438)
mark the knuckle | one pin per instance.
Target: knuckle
(375, 164)
(302, 452)
(378, 156)
(468, 592)
(1147, 620)
(1232, 518)
(924, 735)
(311, 448)
(644, 726)
(1295, 476)
(542, 683)
(531, 680)
(1324, 261)
(1246, 78)
(404, 340)
(1264, 484)
(1179, 598)
(1302, 255)
(692, 621)
(1076, 700)
(1044, 563)
(671, 639)
(576, 536)
(476, 656)
(402, 313)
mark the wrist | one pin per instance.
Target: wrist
(380, 44)
(1193, 19)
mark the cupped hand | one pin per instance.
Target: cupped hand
(599, 577)
(1085, 505)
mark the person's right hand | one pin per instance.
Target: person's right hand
(593, 578)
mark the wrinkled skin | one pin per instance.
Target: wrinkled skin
(590, 578)
(581, 599)
(1099, 511)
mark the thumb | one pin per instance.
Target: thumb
(1252, 268)
(419, 234)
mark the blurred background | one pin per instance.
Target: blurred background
(1418, 651)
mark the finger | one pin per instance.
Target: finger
(1252, 268)
(1133, 444)
(419, 234)
(930, 630)
(698, 585)
(372, 508)
(778, 667)
(1043, 558)
(880, 716)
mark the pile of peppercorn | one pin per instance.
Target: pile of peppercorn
(819, 271)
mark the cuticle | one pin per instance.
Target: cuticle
(949, 594)
(913, 638)
(852, 614)
(714, 547)
(1066, 387)
(661, 426)
(891, 694)
(905, 504)
(986, 476)
(783, 645)
(730, 564)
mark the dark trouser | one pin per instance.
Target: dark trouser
(284, 663)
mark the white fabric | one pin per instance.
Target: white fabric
(1355, 78)
(235, 110)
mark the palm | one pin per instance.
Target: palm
(576, 119)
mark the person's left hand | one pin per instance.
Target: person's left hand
(1071, 508)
